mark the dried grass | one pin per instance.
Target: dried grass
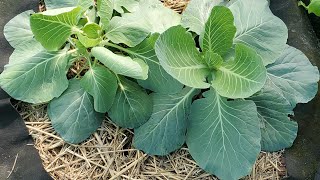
(108, 153)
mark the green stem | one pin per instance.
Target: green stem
(106, 43)
(300, 3)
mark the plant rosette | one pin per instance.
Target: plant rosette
(220, 77)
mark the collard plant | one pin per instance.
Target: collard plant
(220, 77)
(86, 58)
(242, 83)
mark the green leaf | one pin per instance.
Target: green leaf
(105, 10)
(158, 79)
(277, 131)
(72, 114)
(18, 31)
(241, 77)
(178, 55)
(132, 28)
(38, 78)
(197, 13)
(100, 83)
(25, 51)
(52, 30)
(219, 31)
(88, 42)
(313, 7)
(213, 60)
(55, 4)
(258, 28)
(132, 107)
(224, 136)
(293, 77)
(166, 129)
(130, 5)
(92, 30)
(123, 65)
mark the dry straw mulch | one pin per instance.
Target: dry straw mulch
(108, 153)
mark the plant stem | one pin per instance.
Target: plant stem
(300, 3)
(106, 43)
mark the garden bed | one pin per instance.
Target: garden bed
(108, 154)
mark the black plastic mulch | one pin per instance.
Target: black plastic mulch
(18, 158)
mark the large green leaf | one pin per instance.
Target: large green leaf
(72, 114)
(166, 129)
(219, 31)
(277, 131)
(18, 31)
(178, 55)
(51, 29)
(38, 78)
(105, 10)
(158, 79)
(25, 51)
(258, 28)
(224, 136)
(293, 77)
(123, 65)
(102, 85)
(132, 106)
(197, 13)
(129, 5)
(132, 28)
(241, 77)
(55, 4)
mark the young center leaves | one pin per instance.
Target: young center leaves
(240, 77)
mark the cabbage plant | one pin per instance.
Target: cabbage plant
(220, 77)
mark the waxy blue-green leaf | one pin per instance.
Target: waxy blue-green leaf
(150, 17)
(165, 131)
(241, 77)
(258, 28)
(277, 130)
(197, 13)
(100, 83)
(129, 5)
(25, 51)
(219, 31)
(38, 78)
(56, 4)
(224, 136)
(293, 77)
(105, 11)
(52, 30)
(158, 79)
(18, 31)
(132, 106)
(122, 65)
(178, 55)
(72, 114)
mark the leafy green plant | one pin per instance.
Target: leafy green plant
(220, 77)
(85, 59)
(313, 7)
(246, 81)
